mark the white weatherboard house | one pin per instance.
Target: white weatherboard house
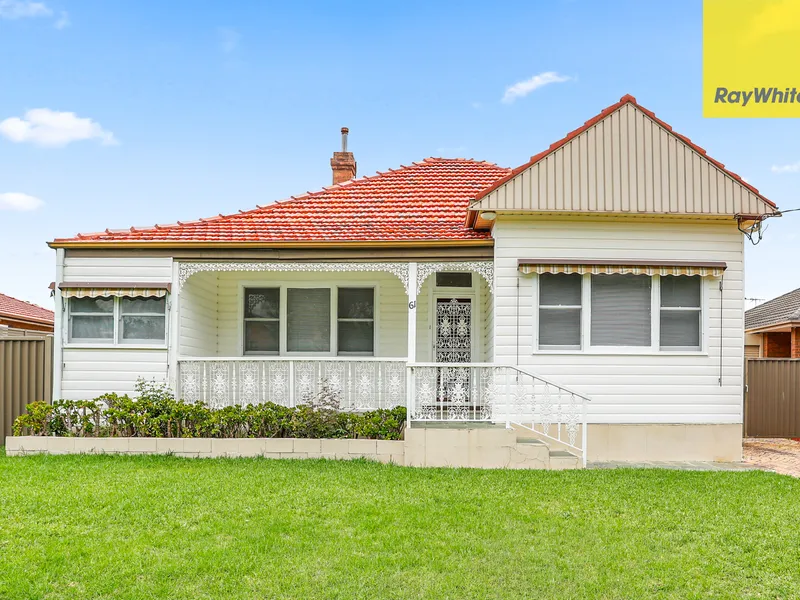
(601, 283)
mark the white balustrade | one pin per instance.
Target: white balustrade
(357, 383)
(498, 393)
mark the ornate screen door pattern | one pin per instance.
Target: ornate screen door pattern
(453, 343)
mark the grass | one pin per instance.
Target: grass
(164, 527)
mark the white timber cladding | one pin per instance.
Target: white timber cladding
(625, 163)
(90, 372)
(634, 387)
(87, 372)
(135, 269)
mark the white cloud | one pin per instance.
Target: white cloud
(63, 21)
(523, 88)
(45, 127)
(793, 168)
(18, 201)
(228, 39)
(22, 9)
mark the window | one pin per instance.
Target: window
(460, 280)
(308, 320)
(142, 320)
(117, 320)
(560, 311)
(680, 312)
(91, 320)
(626, 312)
(262, 320)
(282, 320)
(356, 321)
(620, 310)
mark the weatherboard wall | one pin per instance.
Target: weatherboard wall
(644, 387)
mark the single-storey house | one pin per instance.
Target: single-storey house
(593, 294)
(20, 318)
(773, 328)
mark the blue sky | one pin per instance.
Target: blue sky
(185, 109)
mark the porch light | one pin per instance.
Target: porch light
(489, 216)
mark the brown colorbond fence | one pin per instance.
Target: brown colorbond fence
(26, 375)
(772, 403)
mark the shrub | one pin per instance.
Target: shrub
(156, 413)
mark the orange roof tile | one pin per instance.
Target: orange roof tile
(426, 201)
(19, 309)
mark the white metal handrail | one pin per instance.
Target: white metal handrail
(499, 393)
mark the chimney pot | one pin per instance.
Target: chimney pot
(343, 164)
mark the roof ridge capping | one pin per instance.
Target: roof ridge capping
(626, 99)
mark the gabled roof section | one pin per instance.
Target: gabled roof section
(24, 311)
(425, 202)
(783, 309)
(624, 160)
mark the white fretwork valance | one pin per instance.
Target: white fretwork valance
(706, 269)
(398, 269)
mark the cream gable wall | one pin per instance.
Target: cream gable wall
(628, 388)
(625, 163)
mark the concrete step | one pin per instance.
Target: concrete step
(560, 460)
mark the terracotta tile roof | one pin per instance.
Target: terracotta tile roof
(18, 309)
(779, 310)
(593, 121)
(426, 201)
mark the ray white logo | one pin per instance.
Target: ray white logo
(764, 95)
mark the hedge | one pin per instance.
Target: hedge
(156, 413)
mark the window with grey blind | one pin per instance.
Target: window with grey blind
(356, 321)
(621, 310)
(308, 319)
(680, 312)
(262, 320)
(560, 311)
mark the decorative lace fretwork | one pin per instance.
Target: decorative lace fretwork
(454, 331)
(354, 384)
(400, 270)
(484, 268)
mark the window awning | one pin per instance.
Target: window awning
(623, 267)
(105, 290)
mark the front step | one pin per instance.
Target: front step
(483, 445)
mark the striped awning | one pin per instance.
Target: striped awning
(610, 267)
(107, 290)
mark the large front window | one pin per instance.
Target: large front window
(620, 311)
(319, 320)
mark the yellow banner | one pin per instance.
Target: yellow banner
(751, 58)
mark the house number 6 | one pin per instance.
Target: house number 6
(412, 305)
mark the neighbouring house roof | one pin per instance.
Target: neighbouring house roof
(24, 311)
(423, 202)
(624, 160)
(783, 309)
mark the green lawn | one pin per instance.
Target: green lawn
(164, 527)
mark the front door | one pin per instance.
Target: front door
(453, 336)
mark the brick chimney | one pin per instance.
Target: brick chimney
(343, 164)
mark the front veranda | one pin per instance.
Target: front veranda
(367, 335)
